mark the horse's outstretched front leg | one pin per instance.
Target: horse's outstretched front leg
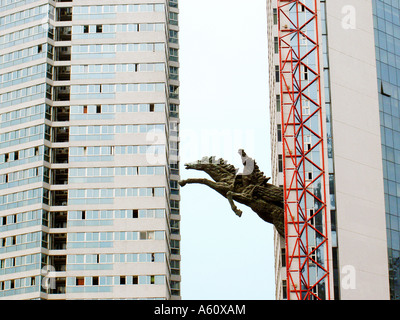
(220, 187)
(235, 209)
(207, 182)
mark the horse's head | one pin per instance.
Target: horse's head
(205, 163)
(218, 169)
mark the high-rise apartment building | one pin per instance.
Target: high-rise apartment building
(335, 132)
(89, 104)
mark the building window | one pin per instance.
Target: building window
(277, 74)
(313, 255)
(284, 289)
(304, 76)
(283, 257)
(312, 217)
(279, 132)
(275, 15)
(280, 163)
(306, 108)
(278, 103)
(80, 281)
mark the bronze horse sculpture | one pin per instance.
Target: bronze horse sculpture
(250, 187)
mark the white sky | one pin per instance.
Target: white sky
(224, 107)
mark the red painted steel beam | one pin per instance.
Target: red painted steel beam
(298, 188)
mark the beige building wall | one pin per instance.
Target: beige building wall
(361, 223)
(276, 146)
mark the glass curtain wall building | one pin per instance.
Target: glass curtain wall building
(387, 45)
(359, 102)
(89, 149)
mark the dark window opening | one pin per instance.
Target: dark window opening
(95, 281)
(80, 281)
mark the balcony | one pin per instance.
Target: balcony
(57, 241)
(59, 219)
(59, 155)
(64, 14)
(61, 93)
(63, 34)
(60, 134)
(62, 73)
(61, 113)
(59, 197)
(62, 54)
(55, 285)
(60, 283)
(173, 92)
(59, 176)
(58, 262)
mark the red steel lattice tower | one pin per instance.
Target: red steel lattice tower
(306, 220)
